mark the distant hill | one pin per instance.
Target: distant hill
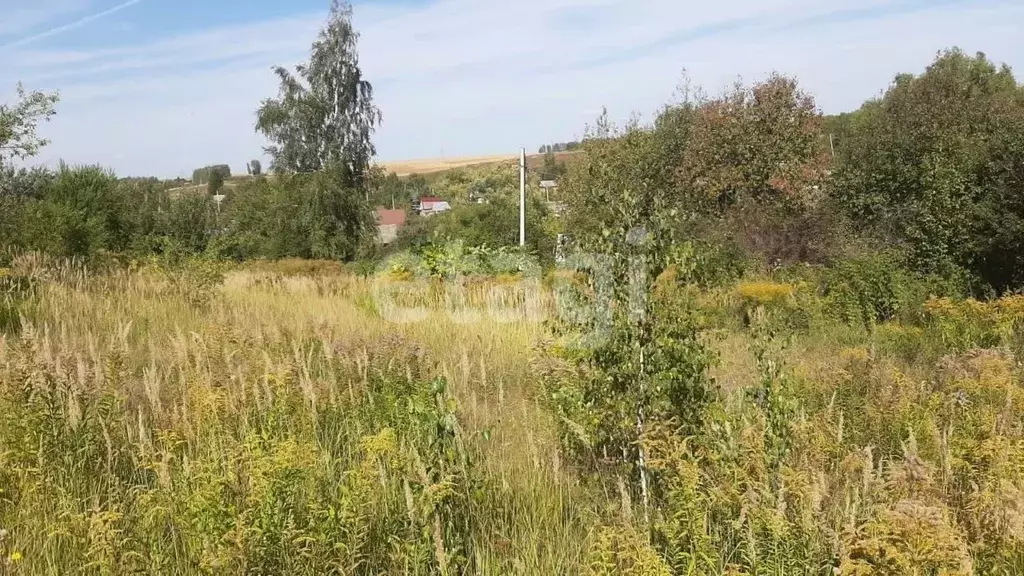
(433, 167)
(430, 166)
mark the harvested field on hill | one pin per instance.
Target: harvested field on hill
(428, 166)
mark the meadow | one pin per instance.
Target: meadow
(278, 418)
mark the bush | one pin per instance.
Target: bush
(864, 290)
(453, 259)
(79, 212)
(778, 235)
(295, 216)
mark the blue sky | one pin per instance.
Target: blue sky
(158, 87)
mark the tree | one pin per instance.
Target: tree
(255, 168)
(215, 183)
(324, 114)
(322, 121)
(552, 169)
(650, 366)
(935, 165)
(81, 210)
(18, 123)
(760, 143)
(203, 175)
(294, 215)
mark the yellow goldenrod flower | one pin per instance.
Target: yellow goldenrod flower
(765, 292)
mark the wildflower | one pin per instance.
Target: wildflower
(15, 556)
(765, 292)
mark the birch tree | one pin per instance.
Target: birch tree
(19, 121)
(320, 127)
(324, 113)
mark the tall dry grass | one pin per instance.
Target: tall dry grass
(272, 424)
(183, 421)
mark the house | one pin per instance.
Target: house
(430, 205)
(389, 222)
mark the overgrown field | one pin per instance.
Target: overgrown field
(282, 419)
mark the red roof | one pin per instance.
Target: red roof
(396, 217)
(429, 199)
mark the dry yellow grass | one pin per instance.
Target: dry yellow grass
(284, 419)
(429, 165)
(276, 377)
(433, 165)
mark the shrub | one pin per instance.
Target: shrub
(454, 259)
(969, 323)
(296, 216)
(80, 212)
(875, 288)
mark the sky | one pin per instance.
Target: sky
(159, 87)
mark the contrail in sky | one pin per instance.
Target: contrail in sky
(70, 26)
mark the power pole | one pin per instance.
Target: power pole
(522, 196)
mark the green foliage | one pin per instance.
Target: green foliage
(208, 174)
(931, 165)
(215, 183)
(324, 116)
(620, 181)
(295, 215)
(875, 288)
(320, 125)
(478, 183)
(453, 259)
(389, 190)
(82, 210)
(485, 207)
(496, 223)
(553, 169)
(643, 364)
(559, 147)
(254, 168)
(193, 279)
(866, 290)
(18, 123)
(759, 143)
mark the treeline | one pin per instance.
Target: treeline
(85, 212)
(559, 147)
(932, 172)
(208, 173)
(316, 206)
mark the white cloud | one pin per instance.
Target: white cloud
(23, 16)
(477, 77)
(60, 29)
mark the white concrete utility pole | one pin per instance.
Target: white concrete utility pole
(522, 196)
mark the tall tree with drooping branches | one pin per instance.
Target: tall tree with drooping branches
(322, 122)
